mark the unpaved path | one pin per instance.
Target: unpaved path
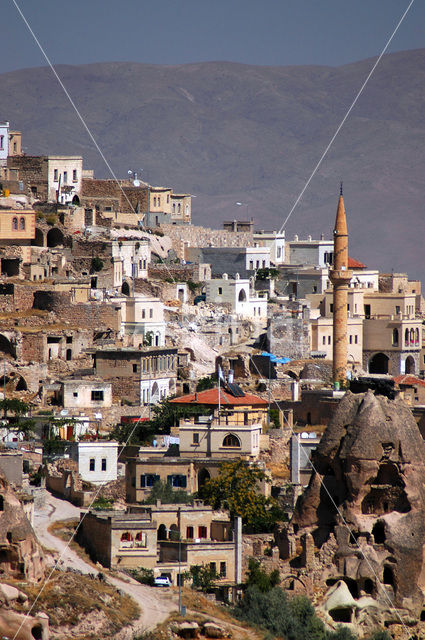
(156, 605)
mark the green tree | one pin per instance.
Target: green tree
(96, 264)
(268, 273)
(164, 491)
(203, 576)
(257, 576)
(236, 489)
(14, 412)
(208, 382)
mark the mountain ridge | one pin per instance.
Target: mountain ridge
(231, 132)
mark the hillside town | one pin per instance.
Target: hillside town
(200, 398)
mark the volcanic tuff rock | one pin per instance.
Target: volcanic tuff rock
(365, 503)
(21, 555)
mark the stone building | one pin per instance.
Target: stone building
(50, 178)
(237, 296)
(244, 261)
(97, 461)
(141, 376)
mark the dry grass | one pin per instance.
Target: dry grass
(64, 529)
(68, 599)
(279, 471)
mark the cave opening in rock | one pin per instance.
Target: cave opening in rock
(378, 532)
(37, 632)
(368, 586)
(388, 577)
(341, 614)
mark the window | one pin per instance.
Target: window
(97, 395)
(174, 207)
(178, 481)
(397, 309)
(1, 142)
(22, 224)
(222, 569)
(150, 313)
(351, 339)
(331, 308)
(92, 465)
(159, 201)
(140, 539)
(220, 291)
(279, 252)
(324, 339)
(134, 368)
(395, 337)
(65, 177)
(231, 441)
(356, 339)
(406, 337)
(55, 175)
(168, 198)
(212, 567)
(103, 467)
(179, 208)
(195, 438)
(329, 339)
(75, 394)
(189, 533)
(251, 264)
(148, 480)
(74, 175)
(15, 224)
(68, 339)
(154, 201)
(202, 532)
(143, 314)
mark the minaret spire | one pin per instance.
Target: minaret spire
(340, 278)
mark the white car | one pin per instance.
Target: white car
(162, 581)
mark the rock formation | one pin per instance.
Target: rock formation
(21, 555)
(362, 518)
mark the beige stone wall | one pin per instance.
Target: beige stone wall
(192, 236)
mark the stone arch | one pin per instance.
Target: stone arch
(410, 365)
(174, 532)
(125, 288)
(395, 337)
(76, 201)
(21, 383)
(379, 363)
(38, 241)
(242, 295)
(6, 347)
(203, 476)
(387, 493)
(162, 532)
(230, 440)
(55, 237)
(37, 632)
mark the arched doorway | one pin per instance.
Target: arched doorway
(410, 365)
(125, 289)
(38, 241)
(379, 363)
(203, 476)
(242, 295)
(162, 532)
(6, 347)
(230, 331)
(55, 237)
(76, 201)
(174, 532)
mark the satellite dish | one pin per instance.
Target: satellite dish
(136, 183)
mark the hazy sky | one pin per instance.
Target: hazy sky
(266, 32)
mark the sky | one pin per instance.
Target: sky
(266, 32)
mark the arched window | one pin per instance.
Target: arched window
(231, 441)
(242, 295)
(126, 539)
(412, 336)
(140, 539)
(15, 224)
(22, 224)
(406, 337)
(179, 208)
(395, 337)
(416, 336)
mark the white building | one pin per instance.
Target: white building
(144, 317)
(64, 178)
(275, 241)
(4, 142)
(236, 294)
(315, 253)
(135, 256)
(86, 394)
(97, 461)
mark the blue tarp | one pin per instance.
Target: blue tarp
(274, 358)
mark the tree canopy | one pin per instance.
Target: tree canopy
(237, 489)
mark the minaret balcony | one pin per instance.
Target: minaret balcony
(340, 276)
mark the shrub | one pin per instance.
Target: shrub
(96, 264)
(142, 575)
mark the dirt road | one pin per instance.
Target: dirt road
(156, 605)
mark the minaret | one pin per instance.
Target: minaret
(340, 278)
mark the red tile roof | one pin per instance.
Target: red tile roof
(210, 397)
(355, 264)
(409, 380)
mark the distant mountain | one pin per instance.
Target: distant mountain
(229, 132)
